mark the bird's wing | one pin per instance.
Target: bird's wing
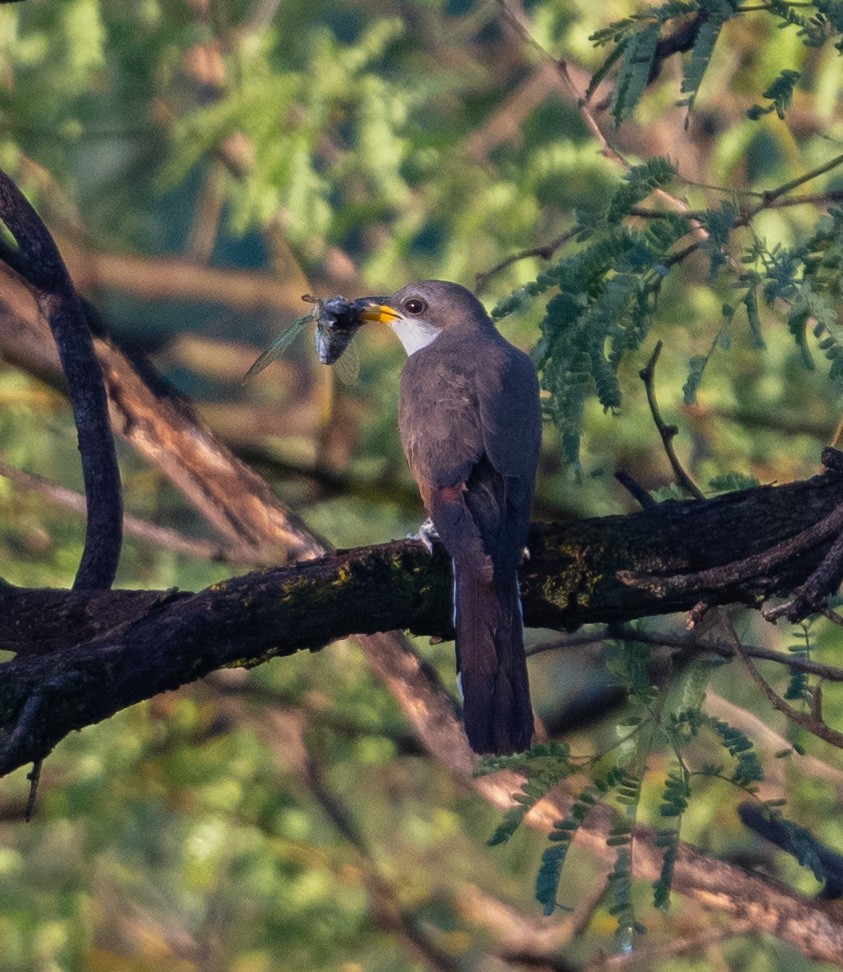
(511, 421)
(457, 528)
(440, 431)
(510, 413)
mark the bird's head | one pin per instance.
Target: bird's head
(420, 312)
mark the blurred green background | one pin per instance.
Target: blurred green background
(350, 146)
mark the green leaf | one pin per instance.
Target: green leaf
(634, 72)
(696, 369)
(748, 769)
(716, 13)
(719, 224)
(779, 93)
(553, 858)
(731, 482)
(638, 183)
(669, 841)
(545, 765)
(614, 55)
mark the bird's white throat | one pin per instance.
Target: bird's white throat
(414, 335)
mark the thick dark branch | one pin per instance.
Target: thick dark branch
(161, 640)
(82, 657)
(38, 262)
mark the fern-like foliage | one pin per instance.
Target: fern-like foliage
(670, 719)
(731, 482)
(747, 770)
(813, 28)
(607, 294)
(778, 94)
(562, 834)
(712, 14)
(808, 278)
(828, 21)
(718, 224)
(798, 688)
(674, 803)
(638, 183)
(628, 796)
(634, 51)
(636, 62)
(545, 765)
(553, 858)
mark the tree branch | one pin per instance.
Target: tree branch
(133, 526)
(234, 499)
(38, 262)
(130, 645)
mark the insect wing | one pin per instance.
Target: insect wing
(279, 345)
(347, 367)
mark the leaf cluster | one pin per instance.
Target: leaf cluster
(607, 296)
(638, 44)
(807, 279)
(607, 292)
(661, 721)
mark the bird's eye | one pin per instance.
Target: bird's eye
(415, 305)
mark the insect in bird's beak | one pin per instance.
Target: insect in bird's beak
(337, 321)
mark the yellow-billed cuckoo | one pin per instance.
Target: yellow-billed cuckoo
(470, 425)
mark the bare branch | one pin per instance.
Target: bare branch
(810, 722)
(666, 432)
(689, 643)
(38, 262)
(132, 525)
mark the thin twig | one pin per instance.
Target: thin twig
(545, 252)
(666, 639)
(635, 489)
(809, 199)
(134, 526)
(773, 194)
(831, 616)
(667, 432)
(809, 722)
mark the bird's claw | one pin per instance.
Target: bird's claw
(427, 533)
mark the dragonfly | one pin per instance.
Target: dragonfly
(337, 321)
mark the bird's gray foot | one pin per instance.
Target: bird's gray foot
(426, 535)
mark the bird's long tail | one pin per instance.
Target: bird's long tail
(491, 663)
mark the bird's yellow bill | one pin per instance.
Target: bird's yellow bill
(379, 314)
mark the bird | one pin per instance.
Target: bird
(469, 419)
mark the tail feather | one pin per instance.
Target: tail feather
(492, 664)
